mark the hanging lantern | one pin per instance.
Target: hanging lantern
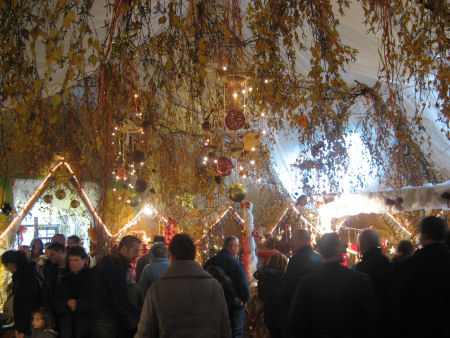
(140, 185)
(235, 119)
(74, 204)
(224, 166)
(48, 198)
(60, 194)
(237, 192)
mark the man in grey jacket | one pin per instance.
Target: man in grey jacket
(186, 301)
(157, 266)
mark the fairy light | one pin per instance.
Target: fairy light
(259, 180)
(244, 176)
(262, 114)
(235, 95)
(128, 201)
(205, 159)
(243, 91)
(266, 81)
(252, 162)
(264, 132)
(115, 128)
(113, 134)
(215, 161)
(114, 189)
(120, 198)
(250, 89)
(135, 96)
(117, 177)
(253, 148)
(224, 68)
(142, 163)
(207, 140)
(241, 168)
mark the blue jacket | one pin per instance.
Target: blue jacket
(152, 271)
(234, 269)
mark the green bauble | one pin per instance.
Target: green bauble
(237, 192)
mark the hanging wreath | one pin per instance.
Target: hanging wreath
(48, 198)
(60, 194)
(74, 204)
(235, 119)
(224, 166)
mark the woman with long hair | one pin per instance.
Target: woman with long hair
(37, 249)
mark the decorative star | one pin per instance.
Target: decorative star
(62, 176)
(186, 200)
(392, 250)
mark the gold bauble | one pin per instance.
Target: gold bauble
(237, 192)
(74, 204)
(60, 194)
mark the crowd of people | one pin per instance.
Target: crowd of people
(61, 293)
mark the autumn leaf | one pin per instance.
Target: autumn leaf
(68, 19)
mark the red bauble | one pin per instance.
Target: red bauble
(235, 119)
(224, 166)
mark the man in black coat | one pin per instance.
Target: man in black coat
(333, 301)
(303, 261)
(112, 307)
(381, 274)
(234, 269)
(425, 280)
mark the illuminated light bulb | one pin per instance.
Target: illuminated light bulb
(205, 159)
(264, 132)
(206, 143)
(262, 114)
(115, 128)
(204, 163)
(142, 163)
(113, 172)
(142, 132)
(112, 142)
(132, 187)
(215, 161)
(224, 68)
(241, 168)
(266, 81)
(259, 180)
(244, 176)
(114, 189)
(119, 198)
(117, 177)
(124, 178)
(136, 95)
(113, 134)
(243, 91)
(253, 148)
(207, 140)
(120, 153)
(244, 105)
(129, 185)
(250, 89)
(132, 166)
(128, 201)
(252, 162)
(148, 210)
(235, 95)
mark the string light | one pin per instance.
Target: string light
(128, 201)
(235, 95)
(113, 134)
(250, 89)
(264, 132)
(142, 163)
(253, 148)
(252, 162)
(244, 176)
(135, 96)
(205, 159)
(262, 114)
(241, 168)
(243, 91)
(215, 161)
(266, 81)
(259, 180)
(224, 68)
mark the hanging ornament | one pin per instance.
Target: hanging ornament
(140, 185)
(218, 179)
(60, 194)
(187, 200)
(74, 204)
(235, 119)
(237, 192)
(224, 166)
(135, 200)
(48, 198)
(63, 177)
(136, 156)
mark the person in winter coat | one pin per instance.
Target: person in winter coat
(26, 292)
(233, 268)
(381, 274)
(146, 258)
(72, 297)
(425, 280)
(304, 260)
(54, 272)
(333, 301)
(113, 310)
(269, 291)
(404, 250)
(157, 266)
(43, 324)
(186, 301)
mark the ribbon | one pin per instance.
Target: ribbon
(246, 204)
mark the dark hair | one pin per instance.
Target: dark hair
(182, 247)
(77, 251)
(16, 257)
(74, 238)
(46, 245)
(159, 238)
(277, 261)
(59, 238)
(302, 233)
(433, 228)
(128, 241)
(228, 242)
(33, 246)
(158, 250)
(328, 244)
(405, 247)
(47, 317)
(57, 247)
